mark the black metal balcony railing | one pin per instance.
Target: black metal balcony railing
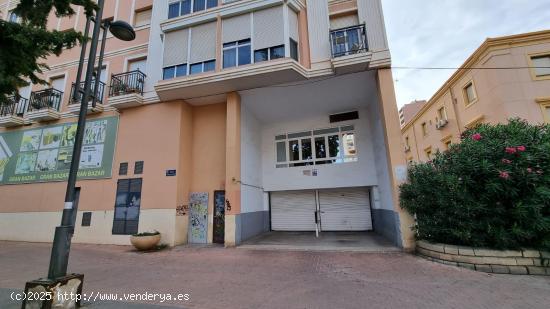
(15, 106)
(100, 92)
(348, 41)
(126, 83)
(47, 98)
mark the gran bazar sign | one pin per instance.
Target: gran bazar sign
(44, 154)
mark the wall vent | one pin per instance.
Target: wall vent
(344, 116)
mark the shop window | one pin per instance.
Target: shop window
(236, 53)
(127, 206)
(317, 147)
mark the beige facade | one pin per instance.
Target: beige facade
(504, 78)
(216, 86)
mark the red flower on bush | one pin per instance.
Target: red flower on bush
(511, 150)
(476, 137)
(504, 175)
(521, 148)
(506, 161)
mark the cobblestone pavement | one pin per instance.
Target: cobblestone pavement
(237, 278)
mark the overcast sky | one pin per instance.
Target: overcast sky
(444, 33)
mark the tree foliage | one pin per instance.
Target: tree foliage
(491, 190)
(27, 43)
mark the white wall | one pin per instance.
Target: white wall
(370, 13)
(154, 61)
(318, 28)
(252, 198)
(352, 174)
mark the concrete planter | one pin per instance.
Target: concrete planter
(515, 262)
(145, 243)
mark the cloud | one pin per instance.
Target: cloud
(444, 33)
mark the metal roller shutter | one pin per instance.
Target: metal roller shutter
(345, 209)
(269, 28)
(293, 25)
(293, 211)
(344, 21)
(175, 47)
(236, 28)
(203, 42)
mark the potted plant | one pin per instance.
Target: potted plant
(146, 240)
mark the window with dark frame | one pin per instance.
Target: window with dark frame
(86, 218)
(270, 53)
(138, 167)
(123, 169)
(293, 49)
(127, 206)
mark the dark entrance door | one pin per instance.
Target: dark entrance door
(219, 217)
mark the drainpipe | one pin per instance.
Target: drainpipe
(455, 109)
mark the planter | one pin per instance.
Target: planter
(515, 262)
(145, 243)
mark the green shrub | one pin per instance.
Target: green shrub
(491, 190)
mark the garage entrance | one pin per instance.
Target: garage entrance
(328, 210)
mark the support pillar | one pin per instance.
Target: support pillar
(233, 170)
(397, 162)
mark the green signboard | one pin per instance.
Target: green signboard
(44, 154)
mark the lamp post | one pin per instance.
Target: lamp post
(57, 272)
(63, 233)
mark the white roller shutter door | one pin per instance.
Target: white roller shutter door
(236, 28)
(344, 21)
(293, 211)
(345, 209)
(203, 42)
(269, 28)
(175, 47)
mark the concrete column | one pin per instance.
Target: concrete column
(397, 162)
(233, 170)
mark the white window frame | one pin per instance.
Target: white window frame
(202, 67)
(339, 159)
(237, 46)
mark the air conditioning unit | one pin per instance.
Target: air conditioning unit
(441, 124)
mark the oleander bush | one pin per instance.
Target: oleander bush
(490, 190)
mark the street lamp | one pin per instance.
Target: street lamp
(59, 260)
(63, 234)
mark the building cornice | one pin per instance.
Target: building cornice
(489, 45)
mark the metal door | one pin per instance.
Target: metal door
(345, 209)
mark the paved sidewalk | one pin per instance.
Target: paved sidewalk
(239, 278)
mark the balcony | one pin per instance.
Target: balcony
(126, 89)
(44, 105)
(11, 113)
(74, 102)
(349, 47)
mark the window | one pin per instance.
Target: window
(271, 53)
(174, 71)
(541, 65)
(236, 53)
(293, 49)
(202, 67)
(428, 152)
(317, 147)
(137, 64)
(123, 168)
(143, 17)
(13, 17)
(127, 206)
(138, 167)
(442, 113)
(424, 127)
(184, 7)
(470, 93)
(448, 144)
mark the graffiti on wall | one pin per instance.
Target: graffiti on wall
(198, 218)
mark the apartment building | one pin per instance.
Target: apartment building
(222, 120)
(409, 110)
(506, 77)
